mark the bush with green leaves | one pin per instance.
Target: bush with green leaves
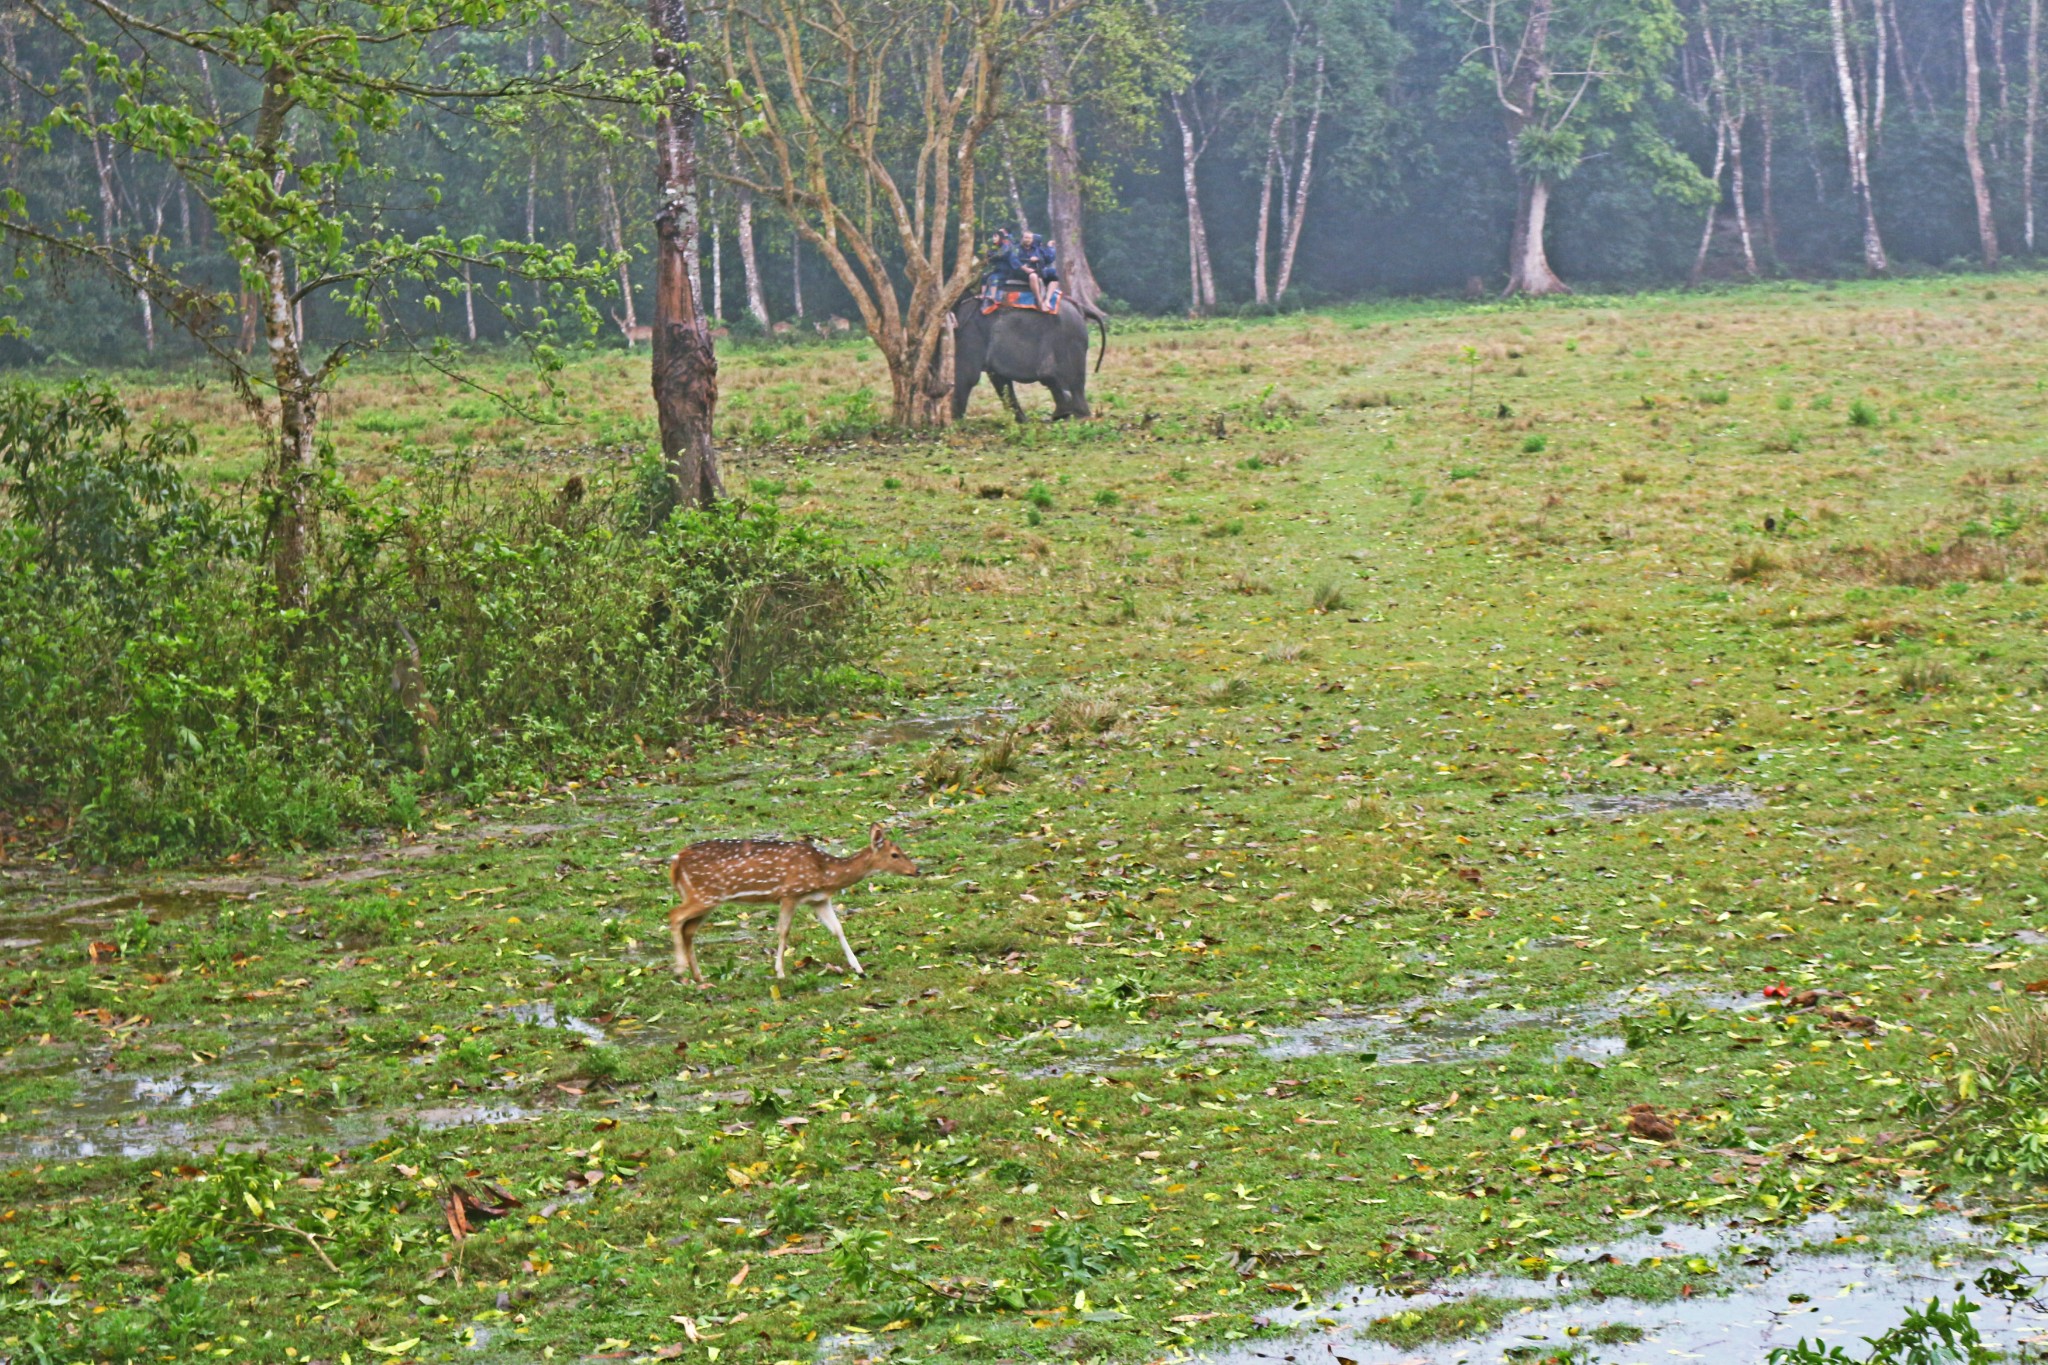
(154, 690)
(1932, 1335)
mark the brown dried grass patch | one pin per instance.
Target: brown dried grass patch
(1963, 559)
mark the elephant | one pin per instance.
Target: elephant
(1015, 346)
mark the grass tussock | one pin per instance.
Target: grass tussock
(2009, 1046)
(1751, 565)
(1224, 691)
(1326, 596)
(1077, 713)
(1919, 677)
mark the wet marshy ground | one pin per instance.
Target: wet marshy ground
(1753, 1289)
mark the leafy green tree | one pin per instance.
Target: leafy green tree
(289, 122)
(1569, 78)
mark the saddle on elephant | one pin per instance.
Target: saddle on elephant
(1017, 294)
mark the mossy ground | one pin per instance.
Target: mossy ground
(1304, 639)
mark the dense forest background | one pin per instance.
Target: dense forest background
(1330, 148)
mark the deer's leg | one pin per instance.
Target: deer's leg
(689, 948)
(829, 917)
(682, 915)
(782, 934)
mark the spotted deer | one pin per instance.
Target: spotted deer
(711, 873)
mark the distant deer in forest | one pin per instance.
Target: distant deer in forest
(716, 871)
(634, 335)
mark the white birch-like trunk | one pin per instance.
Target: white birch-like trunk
(1853, 136)
(717, 255)
(1973, 144)
(1741, 196)
(750, 262)
(1259, 239)
(1699, 258)
(2033, 114)
(1291, 246)
(608, 199)
(1201, 278)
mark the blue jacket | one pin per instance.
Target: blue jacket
(1005, 263)
(1041, 256)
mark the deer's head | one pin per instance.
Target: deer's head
(886, 856)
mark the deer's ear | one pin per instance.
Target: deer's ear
(875, 837)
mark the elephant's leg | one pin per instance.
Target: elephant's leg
(1009, 393)
(1062, 404)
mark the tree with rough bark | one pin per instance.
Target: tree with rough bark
(869, 121)
(684, 369)
(282, 119)
(1568, 79)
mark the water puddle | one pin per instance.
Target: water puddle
(1714, 797)
(975, 725)
(147, 1135)
(1411, 1034)
(1767, 1289)
(543, 1014)
(97, 917)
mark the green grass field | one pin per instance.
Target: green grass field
(1273, 934)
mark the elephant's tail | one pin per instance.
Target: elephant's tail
(1101, 321)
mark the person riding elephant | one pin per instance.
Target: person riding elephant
(1040, 262)
(1003, 263)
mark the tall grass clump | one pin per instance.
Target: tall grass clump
(155, 694)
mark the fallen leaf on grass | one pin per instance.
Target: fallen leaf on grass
(464, 1210)
(1645, 1122)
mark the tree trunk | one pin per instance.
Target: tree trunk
(1973, 148)
(796, 274)
(717, 256)
(750, 263)
(1260, 245)
(1010, 180)
(1699, 258)
(1291, 247)
(1260, 238)
(1770, 205)
(685, 369)
(1201, 277)
(1740, 194)
(469, 302)
(1063, 173)
(296, 457)
(615, 226)
(2033, 114)
(1852, 130)
(1529, 269)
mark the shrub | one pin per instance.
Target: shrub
(153, 687)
